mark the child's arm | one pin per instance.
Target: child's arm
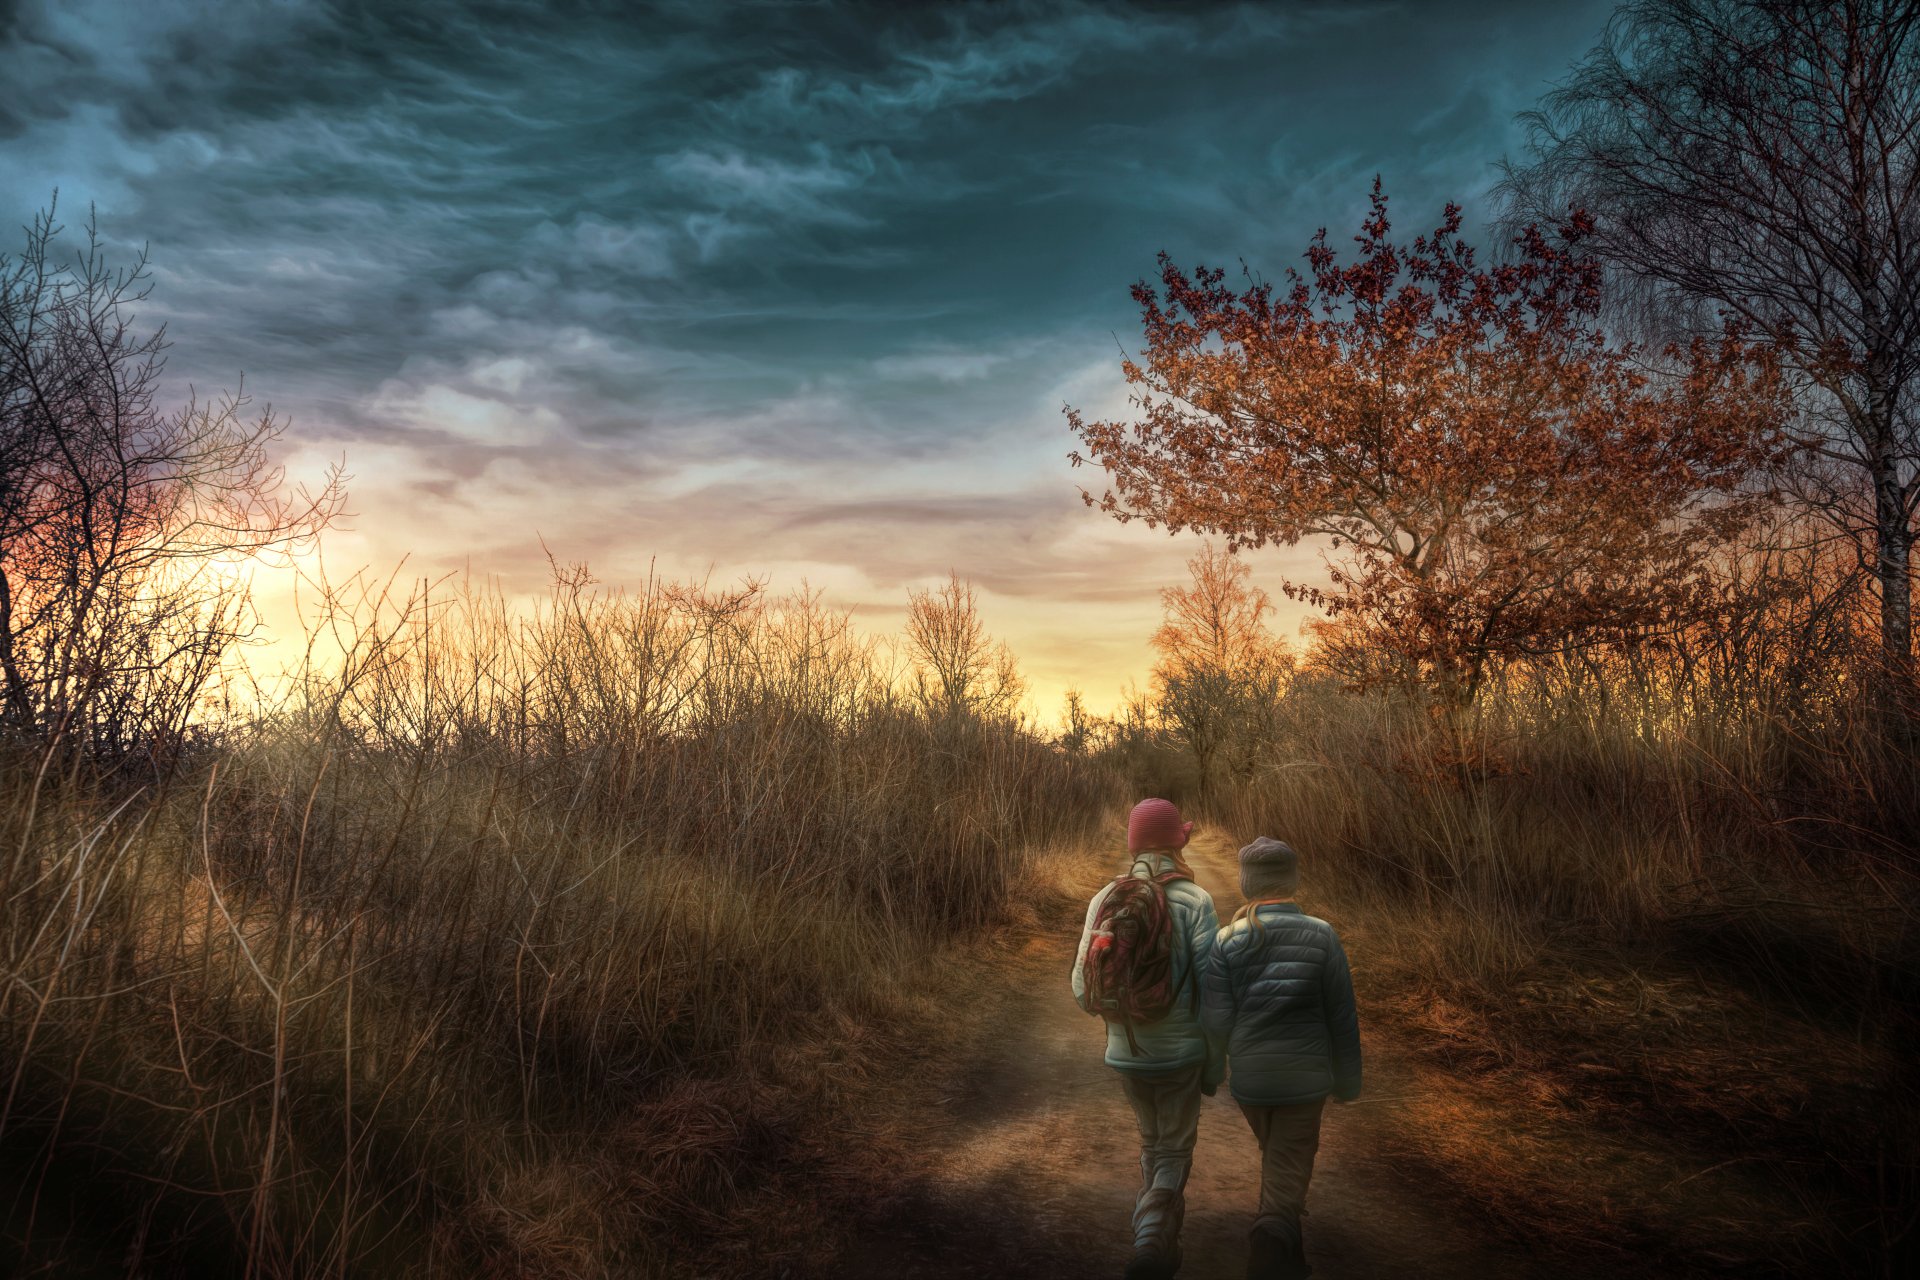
(1218, 1009)
(1343, 1020)
(1216, 1013)
(1206, 926)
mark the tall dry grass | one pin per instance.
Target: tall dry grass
(1656, 946)
(499, 943)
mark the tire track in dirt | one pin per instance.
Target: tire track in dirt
(1032, 1163)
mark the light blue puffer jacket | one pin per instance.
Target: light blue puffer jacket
(1178, 1040)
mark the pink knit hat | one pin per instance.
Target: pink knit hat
(1156, 824)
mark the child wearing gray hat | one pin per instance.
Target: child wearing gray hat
(1280, 993)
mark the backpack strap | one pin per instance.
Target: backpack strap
(1164, 879)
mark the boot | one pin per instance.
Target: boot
(1151, 1264)
(1297, 1258)
(1273, 1256)
(1267, 1256)
(1157, 1219)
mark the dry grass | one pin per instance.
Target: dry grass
(621, 938)
(1656, 967)
(569, 945)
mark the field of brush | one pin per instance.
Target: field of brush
(622, 939)
(1656, 961)
(569, 945)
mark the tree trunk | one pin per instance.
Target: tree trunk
(16, 704)
(1892, 566)
(1892, 535)
(1203, 758)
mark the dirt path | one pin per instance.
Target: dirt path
(1035, 1163)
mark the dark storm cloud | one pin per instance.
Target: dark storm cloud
(676, 247)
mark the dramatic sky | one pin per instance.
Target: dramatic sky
(794, 289)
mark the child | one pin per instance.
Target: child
(1160, 941)
(1280, 993)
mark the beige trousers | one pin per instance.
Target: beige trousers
(1167, 1107)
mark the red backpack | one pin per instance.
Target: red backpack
(1128, 975)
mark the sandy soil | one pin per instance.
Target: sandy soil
(1032, 1163)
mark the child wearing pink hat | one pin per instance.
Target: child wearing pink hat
(1142, 964)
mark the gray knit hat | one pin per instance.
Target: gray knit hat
(1269, 868)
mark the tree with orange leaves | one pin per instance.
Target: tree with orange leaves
(1493, 477)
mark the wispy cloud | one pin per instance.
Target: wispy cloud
(779, 285)
(940, 365)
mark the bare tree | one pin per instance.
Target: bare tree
(1762, 158)
(1218, 619)
(1219, 666)
(124, 527)
(1079, 736)
(958, 669)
